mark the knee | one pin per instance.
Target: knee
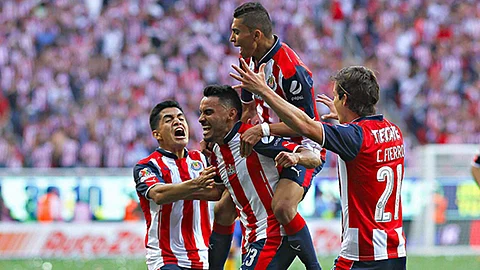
(284, 210)
(224, 214)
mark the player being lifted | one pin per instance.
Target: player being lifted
(290, 78)
(370, 166)
(251, 181)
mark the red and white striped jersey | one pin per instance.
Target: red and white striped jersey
(252, 181)
(290, 78)
(178, 232)
(371, 169)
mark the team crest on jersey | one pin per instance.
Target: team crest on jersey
(231, 170)
(271, 82)
(196, 165)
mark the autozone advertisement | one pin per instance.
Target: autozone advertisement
(110, 239)
(76, 240)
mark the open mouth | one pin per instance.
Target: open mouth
(179, 132)
(206, 129)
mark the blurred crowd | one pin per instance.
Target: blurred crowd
(78, 78)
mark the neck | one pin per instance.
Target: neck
(177, 150)
(263, 47)
(351, 116)
(228, 128)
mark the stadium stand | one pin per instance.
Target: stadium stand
(78, 77)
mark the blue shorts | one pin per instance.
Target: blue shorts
(300, 175)
(271, 253)
(390, 264)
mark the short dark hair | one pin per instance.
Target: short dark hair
(155, 113)
(226, 94)
(254, 16)
(361, 87)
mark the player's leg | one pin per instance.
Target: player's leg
(264, 254)
(284, 256)
(341, 263)
(288, 194)
(223, 226)
(236, 247)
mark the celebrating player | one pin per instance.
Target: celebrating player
(251, 181)
(371, 164)
(167, 181)
(290, 78)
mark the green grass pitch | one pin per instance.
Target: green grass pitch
(413, 263)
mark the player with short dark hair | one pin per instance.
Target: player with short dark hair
(254, 16)
(288, 76)
(371, 164)
(250, 181)
(170, 183)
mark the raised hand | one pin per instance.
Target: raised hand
(206, 148)
(253, 121)
(205, 179)
(251, 81)
(249, 138)
(287, 159)
(329, 103)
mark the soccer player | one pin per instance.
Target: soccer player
(286, 75)
(251, 181)
(476, 168)
(370, 166)
(167, 182)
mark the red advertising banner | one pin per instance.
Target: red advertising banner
(98, 239)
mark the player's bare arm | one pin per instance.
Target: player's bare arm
(302, 156)
(288, 113)
(210, 193)
(253, 135)
(168, 193)
(249, 114)
(476, 174)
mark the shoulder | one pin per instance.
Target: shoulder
(195, 154)
(244, 127)
(288, 61)
(154, 155)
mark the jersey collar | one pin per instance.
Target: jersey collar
(276, 46)
(170, 154)
(377, 117)
(232, 132)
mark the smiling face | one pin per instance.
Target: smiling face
(216, 119)
(172, 130)
(243, 38)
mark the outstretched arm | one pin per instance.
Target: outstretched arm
(212, 193)
(168, 193)
(249, 112)
(302, 156)
(476, 174)
(293, 117)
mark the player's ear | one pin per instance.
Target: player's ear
(344, 100)
(232, 113)
(157, 135)
(257, 34)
